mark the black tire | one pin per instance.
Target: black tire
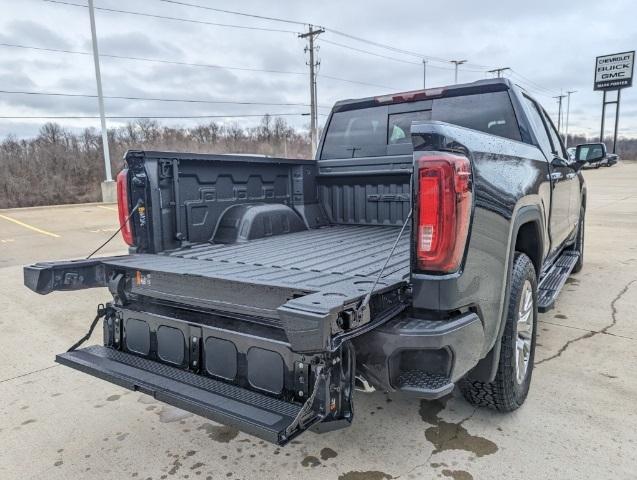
(506, 393)
(579, 241)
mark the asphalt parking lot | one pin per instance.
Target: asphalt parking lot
(580, 420)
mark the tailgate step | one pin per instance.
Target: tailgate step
(259, 415)
(552, 283)
(427, 385)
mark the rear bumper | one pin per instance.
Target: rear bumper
(420, 356)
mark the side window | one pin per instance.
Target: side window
(490, 112)
(538, 125)
(558, 147)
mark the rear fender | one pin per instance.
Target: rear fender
(487, 368)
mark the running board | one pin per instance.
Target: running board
(269, 418)
(551, 284)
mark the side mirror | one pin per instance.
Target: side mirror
(590, 152)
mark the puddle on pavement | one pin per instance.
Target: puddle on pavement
(327, 453)
(169, 414)
(457, 474)
(370, 475)
(451, 436)
(219, 433)
(310, 461)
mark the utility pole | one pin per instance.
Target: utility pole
(568, 111)
(424, 73)
(559, 112)
(311, 33)
(456, 63)
(108, 190)
(498, 71)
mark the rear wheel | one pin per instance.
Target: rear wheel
(579, 241)
(510, 387)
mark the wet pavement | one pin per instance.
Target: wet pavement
(580, 420)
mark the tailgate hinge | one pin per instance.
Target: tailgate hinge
(307, 414)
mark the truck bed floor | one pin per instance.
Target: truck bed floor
(318, 270)
(334, 251)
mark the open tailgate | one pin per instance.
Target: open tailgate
(268, 357)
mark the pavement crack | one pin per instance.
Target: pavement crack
(614, 307)
(587, 330)
(592, 333)
(29, 373)
(434, 451)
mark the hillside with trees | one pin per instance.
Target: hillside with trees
(59, 166)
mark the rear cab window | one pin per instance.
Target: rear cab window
(386, 129)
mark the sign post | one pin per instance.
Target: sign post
(613, 72)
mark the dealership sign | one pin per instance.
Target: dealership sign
(614, 71)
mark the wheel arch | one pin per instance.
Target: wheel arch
(527, 234)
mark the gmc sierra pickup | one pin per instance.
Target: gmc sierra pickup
(411, 255)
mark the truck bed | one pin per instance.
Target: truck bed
(308, 259)
(318, 270)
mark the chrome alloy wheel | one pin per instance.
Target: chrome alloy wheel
(524, 332)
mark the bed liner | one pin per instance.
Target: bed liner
(301, 280)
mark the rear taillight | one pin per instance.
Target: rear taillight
(122, 206)
(443, 211)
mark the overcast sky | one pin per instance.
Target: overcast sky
(550, 45)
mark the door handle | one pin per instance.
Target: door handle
(556, 175)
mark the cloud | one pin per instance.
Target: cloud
(549, 43)
(134, 44)
(32, 33)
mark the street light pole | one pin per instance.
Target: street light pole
(568, 111)
(100, 96)
(498, 71)
(456, 63)
(424, 73)
(559, 112)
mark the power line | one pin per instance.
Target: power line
(394, 49)
(143, 117)
(263, 17)
(356, 82)
(188, 64)
(153, 60)
(531, 82)
(157, 99)
(395, 59)
(388, 47)
(331, 30)
(323, 40)
(179, 19)
(214, 9)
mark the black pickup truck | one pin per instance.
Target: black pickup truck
(411, 255)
